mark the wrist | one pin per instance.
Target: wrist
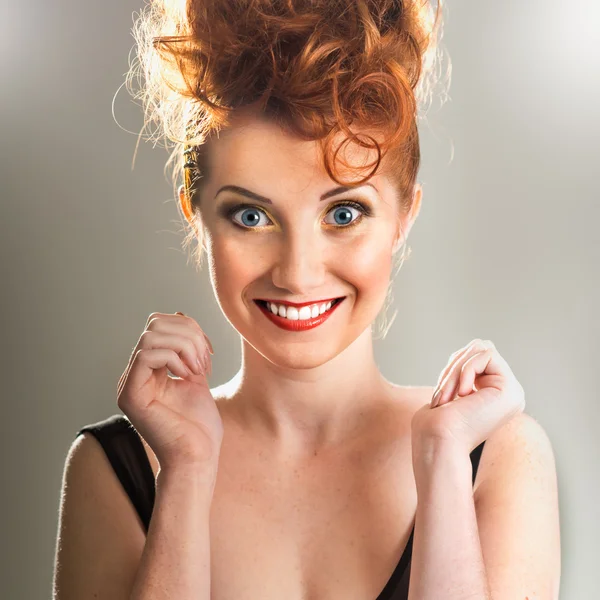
(433, 456)
(188, 476)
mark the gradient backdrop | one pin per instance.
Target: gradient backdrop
(505, 248)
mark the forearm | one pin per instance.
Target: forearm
(447, 561)
(175, 562)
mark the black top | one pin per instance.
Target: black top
(126, 453)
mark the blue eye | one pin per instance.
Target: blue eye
(343, 212)
(250, 218)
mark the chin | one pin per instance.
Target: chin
(303, 349)
(305, 354)
(294, 358)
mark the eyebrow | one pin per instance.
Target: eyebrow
(244, 192)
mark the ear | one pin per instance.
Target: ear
(187, 211)
(409, 220)
(185, 203)
(416, 207)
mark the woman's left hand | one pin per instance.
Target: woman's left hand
(478, 393)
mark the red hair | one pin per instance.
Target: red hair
(313, 66)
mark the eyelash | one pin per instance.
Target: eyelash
(362, 208)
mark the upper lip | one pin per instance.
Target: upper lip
(301, 304)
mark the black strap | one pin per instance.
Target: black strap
(125, 451)
(475, 458)
(397, 586)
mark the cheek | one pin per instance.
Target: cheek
(368, 267)
(230, 270)
(365, 264)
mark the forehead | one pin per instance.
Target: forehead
(257, 150)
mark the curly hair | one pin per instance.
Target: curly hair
(314, 67)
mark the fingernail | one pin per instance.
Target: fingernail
(209, 344)
(435, 399)
(207, 365)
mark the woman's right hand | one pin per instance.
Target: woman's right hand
(177, 416)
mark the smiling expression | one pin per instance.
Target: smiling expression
(278, 228)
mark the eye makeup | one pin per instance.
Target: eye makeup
(227, 209)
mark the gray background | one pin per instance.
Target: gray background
(505, 248)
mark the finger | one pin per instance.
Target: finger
(450, 388)
(489, 369)
(185, 326)
(185, 347)
(452, 377)
(454, 357)
(127, 368)
(182, 371)
(151, 316)
(451, 361)
(125, 373)
(442, 379)
(473, 367)
(187, 344)
(148, 361)
(194, 323)
(485, 358)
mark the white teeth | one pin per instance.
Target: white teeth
(292, 313)
(304, 313)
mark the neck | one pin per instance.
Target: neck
(310, 406)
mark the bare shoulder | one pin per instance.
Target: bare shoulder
(522, 444)
(401, 402)
(518, 511)
(88, 476)
(410, 398)
(413, 393)
(100, 539)
(521, 430)
(519, 442)
(522, 435)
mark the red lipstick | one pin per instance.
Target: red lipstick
(294, 304)
(298, 325)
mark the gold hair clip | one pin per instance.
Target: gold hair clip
(189, 157)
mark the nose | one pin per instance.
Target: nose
(300, 265)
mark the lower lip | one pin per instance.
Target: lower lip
(298, 325)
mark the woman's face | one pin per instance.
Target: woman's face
(303, 246)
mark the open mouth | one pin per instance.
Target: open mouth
(264, 303)
(300, 319)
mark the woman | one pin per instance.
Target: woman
(308, 475)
